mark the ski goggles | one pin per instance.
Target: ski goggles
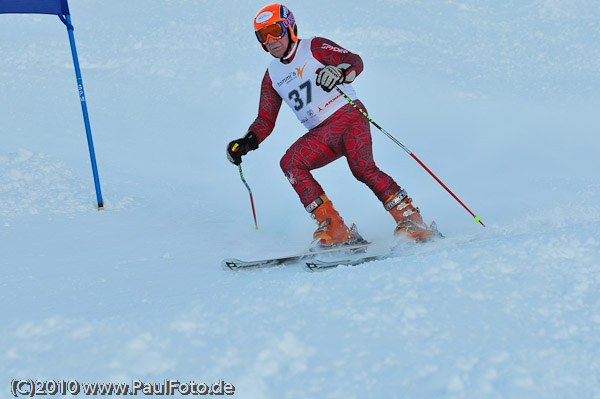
(275, 31)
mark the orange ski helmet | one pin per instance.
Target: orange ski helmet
(272, 21)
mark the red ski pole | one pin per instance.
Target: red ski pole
(477, 219)
(234, 149)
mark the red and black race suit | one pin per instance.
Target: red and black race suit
(345, 133)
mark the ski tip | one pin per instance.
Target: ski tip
(230, 264)
(313, 267)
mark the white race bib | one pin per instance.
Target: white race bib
(296, 84)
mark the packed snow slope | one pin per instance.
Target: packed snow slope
(499, 99)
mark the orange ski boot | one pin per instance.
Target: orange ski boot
(332, 231)
(410, 224)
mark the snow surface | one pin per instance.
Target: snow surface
(499, 99)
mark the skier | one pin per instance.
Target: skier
(304, 74)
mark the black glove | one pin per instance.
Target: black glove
(240, 147)
(329, 77)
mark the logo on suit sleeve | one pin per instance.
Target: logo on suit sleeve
(329, 47)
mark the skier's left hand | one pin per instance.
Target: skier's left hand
(329, 77)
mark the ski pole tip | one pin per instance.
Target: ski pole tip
(478, 220)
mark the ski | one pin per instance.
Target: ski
(316, 265)
(237, 264)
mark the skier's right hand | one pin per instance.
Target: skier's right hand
(240, 147)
